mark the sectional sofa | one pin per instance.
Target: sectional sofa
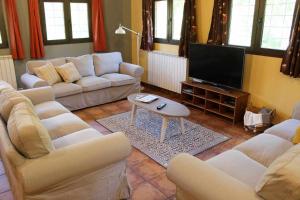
(266, 167)
(105, 78)
(50, 153)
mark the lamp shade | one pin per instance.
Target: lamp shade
(120, 30)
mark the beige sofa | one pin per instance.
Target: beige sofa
(105, 78)
(84, 164)
(265, 167)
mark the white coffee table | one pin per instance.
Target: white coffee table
(171, 110)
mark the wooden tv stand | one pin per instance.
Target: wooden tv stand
(230, 104)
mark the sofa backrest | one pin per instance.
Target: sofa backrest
(105, 63)
(30, 65)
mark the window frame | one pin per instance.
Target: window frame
(257, 32)
(169, 39)
(68, 23)
(4, 44)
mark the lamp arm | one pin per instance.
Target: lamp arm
(130, 30)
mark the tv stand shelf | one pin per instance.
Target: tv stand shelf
(230, 104)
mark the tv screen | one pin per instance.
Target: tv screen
(218, 65)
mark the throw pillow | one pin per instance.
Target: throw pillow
(106, 63)
(48, 73)
(68, 72)
(84, 65)
(282, 179)
(296, 138)
(27, 133)
(8, 99)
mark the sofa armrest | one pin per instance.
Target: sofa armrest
(296, 112)
(32, 81)
(74, 161)
(202, 181)
(131, 69)
(39, 95)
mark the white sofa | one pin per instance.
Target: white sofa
(239, 174)
(84, 164)
(105, 78)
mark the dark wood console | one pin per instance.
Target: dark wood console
(230, 104)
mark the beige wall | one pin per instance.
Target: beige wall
(115, 12)
(262, 78)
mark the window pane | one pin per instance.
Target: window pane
(161, 19)
(178, 6)
(80, 22)
(277, 24)
(55, 23)
(242, 15)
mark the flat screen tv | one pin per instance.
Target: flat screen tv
(218, 65)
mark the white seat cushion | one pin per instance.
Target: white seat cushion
(66, 89)
(92, 83)
(264, 148)
(285, 130)
(119, 79)
(64, 124)
(76, 137)
(49, 109)
(239, 166)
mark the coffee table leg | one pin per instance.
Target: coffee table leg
(133, 113)
(163, 129)
(182, 125)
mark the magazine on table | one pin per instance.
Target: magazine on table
(146, 98)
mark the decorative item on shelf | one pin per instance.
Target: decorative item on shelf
(258, 119)
(121, 30)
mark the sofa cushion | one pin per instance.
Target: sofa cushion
(106, 63)
(239, 166)
(48, 73)
(49, 109)
(285, 130)
(27, 133)
(31, 65)
(282, 178)
(264, 148)
(8, 99)
(58, 61)
(63, 124)
(91, 83)
(119, 79)
(4, 86)
(84, 64)
(76, 137)
(65, 89)
(68, 72)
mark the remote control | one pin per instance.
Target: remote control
(161, 106)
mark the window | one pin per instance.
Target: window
(167, 17)
(66, 21)
(3, 38)
(263, 26)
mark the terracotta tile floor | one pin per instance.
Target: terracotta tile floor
(147, 178)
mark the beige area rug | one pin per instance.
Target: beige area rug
(145, 134)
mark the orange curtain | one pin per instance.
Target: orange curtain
(16, 45)
(99, 38)
(36, 37)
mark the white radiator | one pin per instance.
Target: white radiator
(166, 71)
(7, 70)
